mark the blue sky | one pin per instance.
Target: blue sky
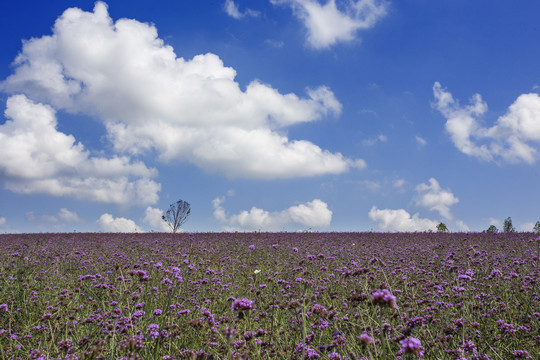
(269, 115)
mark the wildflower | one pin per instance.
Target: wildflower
(238, 344)
(158, 312)
(521, 354)
(365, 339)
(251, 247)
(309, 352)
(242, 304)
(153, 329)
(495, 273)
(334, 356)
(185, 311)
(137, 314)
(411, 345)
(384, 298)
(140, 305)
(469, 347)
(4, 307)
(295, 249)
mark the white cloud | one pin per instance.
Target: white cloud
(327, 25)
(311, 214)
(68, 216)
(371, 185)
(527, 227)
(186, 110)
(462, 226)
(496, 222)
(433, 197)
(400, 220)
(232, 10)
(108, 223)
(399, 183)
(4, 227)
(421, 141)
(373, 141)
(275, 43)
(63, 215)
(512, 139)
(153, 217)
(38, 159)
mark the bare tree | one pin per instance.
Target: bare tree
(177, 214)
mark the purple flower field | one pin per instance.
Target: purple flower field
(270, 296)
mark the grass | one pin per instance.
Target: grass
(164, 296)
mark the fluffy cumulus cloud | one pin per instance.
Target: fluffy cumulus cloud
(313, 214)
(231, 8)
(400, 220)
(108, 223)
(430, 196)
(327, 24)
(153, 218)
(38, 159)
(514, 137)
(189, 110)
(433, 197)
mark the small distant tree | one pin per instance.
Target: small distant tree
(492, 229)
(442, 227)
(536, 227)
(177, 214)
(508, 227)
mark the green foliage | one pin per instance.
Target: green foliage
(492, 229)
(442, 227)
(508, 227)
(536, 227)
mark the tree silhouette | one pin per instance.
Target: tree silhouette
(508, 227)
(442, 227)
(177, 214)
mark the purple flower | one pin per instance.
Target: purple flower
(137, 314)
(4, 307)
(158, 312)
(251, 247)
(140, 305)
(365, 339)
(242, 304)
(521, 354)
(384, 298)
(411, 345)
(334, 356)
(185, 311)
